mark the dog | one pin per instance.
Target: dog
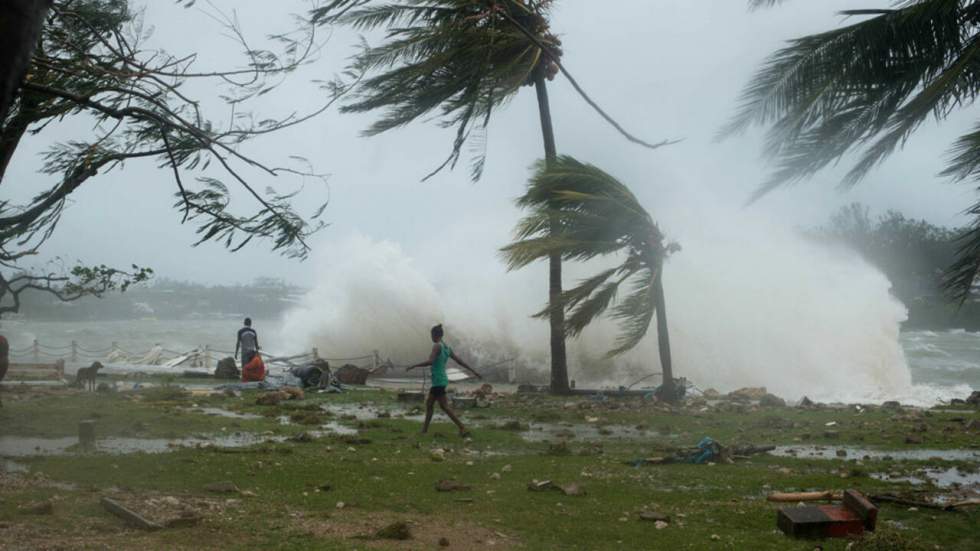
(85, 377)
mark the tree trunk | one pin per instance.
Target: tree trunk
(20, 26)
(668, 392)
(559, 361)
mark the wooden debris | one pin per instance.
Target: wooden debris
(127, 515)
(796, 497)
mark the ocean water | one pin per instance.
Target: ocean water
(942, 365)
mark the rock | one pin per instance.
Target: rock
(772, 401)
(38, 508)
(891, 404)
(227, 369)
(438, 455)
(974, 398)
(653, 516)
(748, 393)
(451, 486)
(912, 439)
(271, 398)
(506, 468)
(572, 490)
(841, 453)
(495, 476)
(443, 542)
(341, 505)
(395, 531)
(711, 394)
(223, 487)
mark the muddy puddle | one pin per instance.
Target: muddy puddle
(543, 432)
(25, 446)
(941, 478)
(865, 454)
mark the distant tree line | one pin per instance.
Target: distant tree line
(264, 298)
(915, 256)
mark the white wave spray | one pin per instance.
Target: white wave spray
(749, 304)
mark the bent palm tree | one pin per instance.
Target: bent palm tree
(597, 215)
(462, 59)
(868, 86)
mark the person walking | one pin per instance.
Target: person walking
(441, 353)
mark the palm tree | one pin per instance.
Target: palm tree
(462, 59)
(596, 215)
(866, 87)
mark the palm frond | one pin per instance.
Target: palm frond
(580, 212)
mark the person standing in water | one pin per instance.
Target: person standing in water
(441, 353)
(248, 342)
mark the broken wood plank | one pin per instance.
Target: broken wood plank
(127, 515)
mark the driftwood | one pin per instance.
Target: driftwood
(129, 516)
(796, 497)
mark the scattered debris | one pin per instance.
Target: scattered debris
(451, 486)
(654, 516)
(572, 490)
(797, 497)
(227, 368)
(539, 485)
(293, 393)
(748, 393)
(856, 515)
(350, 374)
(271, 398)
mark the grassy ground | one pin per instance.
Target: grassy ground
(336, 492)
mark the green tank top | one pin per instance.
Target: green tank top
(439, 377)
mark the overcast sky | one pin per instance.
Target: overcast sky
(664, 68)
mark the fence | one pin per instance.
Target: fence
(203, 356)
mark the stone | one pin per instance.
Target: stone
(227, 368)
(223, 487)
(772, 401)
(913, 439)
(395, 531)
(660, 525)
(443, 542)
(438, 455)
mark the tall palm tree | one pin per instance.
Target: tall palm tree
(866, 87)
(462, 59)
(596, 215)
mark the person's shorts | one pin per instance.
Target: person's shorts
(437, 391)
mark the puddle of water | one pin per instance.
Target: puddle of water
(336, 428)
(16, 446)
(219, 412)
(542, 432)
(854, 454)
(942, 478)
(9, 466)
(359, 412)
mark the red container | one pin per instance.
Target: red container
(254, 370)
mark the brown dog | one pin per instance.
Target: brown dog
(85, 377)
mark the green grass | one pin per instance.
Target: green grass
(391, 472)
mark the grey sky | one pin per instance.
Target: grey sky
(665, 68)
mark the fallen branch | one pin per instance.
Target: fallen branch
(796, 497)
